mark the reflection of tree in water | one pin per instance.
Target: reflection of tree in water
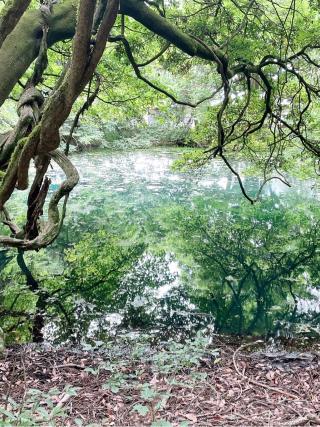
(151, 299)
(250, 266)
(251, 269)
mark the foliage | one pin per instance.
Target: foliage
(174, 277)
(247, 266)
(74, 297)
(180, 356)
(169, 357)
(247, 35)
(119, 368)
(37, 408)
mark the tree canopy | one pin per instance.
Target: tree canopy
(254, 64)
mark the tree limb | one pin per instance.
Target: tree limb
(21, 47)
(10, 16)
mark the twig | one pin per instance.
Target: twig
(255, 382)
(69, 365)
(303, 420)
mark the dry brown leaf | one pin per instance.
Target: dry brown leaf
(191, 417)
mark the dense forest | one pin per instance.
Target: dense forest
(159, 212)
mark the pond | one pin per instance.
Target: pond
(209, 257)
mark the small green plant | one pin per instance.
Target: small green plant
(142, 410)
(115, 382)
(178, 356)
(153, 400)
(161, 423)
(37, 408)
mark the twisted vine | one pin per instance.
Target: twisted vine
(36, 135)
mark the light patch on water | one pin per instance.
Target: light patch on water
(139, 301)
(143, 182)
(312, 304)
(174, 267)
(223, 182)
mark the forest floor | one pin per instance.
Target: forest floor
(227, 383)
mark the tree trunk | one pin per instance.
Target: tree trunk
(21, 47)
(10, 16)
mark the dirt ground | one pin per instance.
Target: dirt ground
(243, 386)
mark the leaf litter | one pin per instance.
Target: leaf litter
(229, 383)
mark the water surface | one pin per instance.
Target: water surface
(215, 259)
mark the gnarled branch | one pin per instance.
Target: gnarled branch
(50, 229)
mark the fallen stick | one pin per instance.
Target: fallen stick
(303, 420)
(255, 382)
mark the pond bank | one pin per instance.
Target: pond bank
(224, 384)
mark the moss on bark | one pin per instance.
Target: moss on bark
(21, 47)
(10, 15)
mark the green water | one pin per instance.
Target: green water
(210, 258)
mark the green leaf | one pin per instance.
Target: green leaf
(114, 389)
(161, 423)
(141, 409)
(7, 414)
(148, 393)
(44, 413)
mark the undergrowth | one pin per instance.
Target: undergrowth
(122, 364)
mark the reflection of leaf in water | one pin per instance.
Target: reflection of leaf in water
(208, 229)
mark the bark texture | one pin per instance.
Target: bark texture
(43, 138)
(22, 46)
(10, 16)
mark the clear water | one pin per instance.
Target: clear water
(255, 272)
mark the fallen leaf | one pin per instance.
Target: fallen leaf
(191, 417)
